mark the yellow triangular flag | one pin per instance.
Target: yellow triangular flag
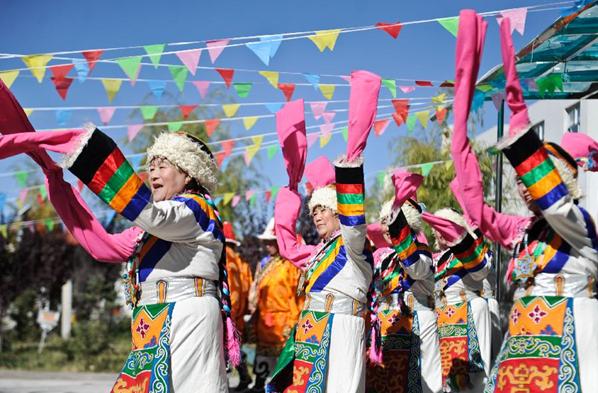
(250, 152)
(272, 77)
(324, 139)
(112, 86)
(37, 65)
(249, 122)
(230, 109)
(439, 99)
(423, 117)
(327, 90)
(4, 230)
(227, 197)
(257, 140)
(28, 111)
(325, 39)
(8, 77)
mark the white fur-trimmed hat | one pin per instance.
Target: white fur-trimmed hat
(412, 214)
(189, 154)
(325, 197)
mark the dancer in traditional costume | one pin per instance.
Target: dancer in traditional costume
(326, 351)
(404, 347)
(551, 342)
(277, 310)
(177, 276)
(240, 281)
(463, 316)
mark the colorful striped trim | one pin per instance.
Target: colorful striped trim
(403, 240)
(104, 169)
(328, 267)
(471, 253)
(152, 251)
(204, 213)
(350, 195)
(536, 170)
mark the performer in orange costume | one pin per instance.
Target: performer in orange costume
(278, 306)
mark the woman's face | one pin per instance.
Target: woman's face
(326, 221)
(441, 243)
(271, 247)
(386, 233)
(166, 180)
(526, 196)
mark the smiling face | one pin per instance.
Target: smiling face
(326, 221)
(527, 198)
(166, 180)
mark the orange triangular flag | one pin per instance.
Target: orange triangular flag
(287, 89)
(211, 126)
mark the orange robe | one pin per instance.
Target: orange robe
(239, 282)
(278, 305)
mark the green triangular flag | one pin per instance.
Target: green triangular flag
(391, 85)
(154, 52)
(380, 179)
(426, 168)
(549, 84)
(49, 223)
(272, 151)
(450, 24)
(43, 192)
(242, 88)
(274, 191)
(253, 200)
(411, 120)
(345, 132)
(130, 66)
(148, 111)
(22, 177)
(179, 75)
(174, 125)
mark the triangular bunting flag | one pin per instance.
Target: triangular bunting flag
(401, 110)
(226, 197)
(8, 77)
(236, 200)
(249, 122)
(112, 86)
(311, 138)
(380, 126)
(28, 111)
(426, 168)
(313, 79)
(106, 114)
(22, 177)
(324, 139)
(423, 117)
(287, 89)
(133, 130)
(497, 99)
(273, 107)
(202, 87)
(249, 194)
(271, 77)
(148, 112)
(327, 90)
(37, 65)
(380, 178)
(227, 147)
(43, 192)
(328, 116)
(61, 71)
(227, 75)
(230, 109)
(219, 158)
(439, 99)
(268, 195)
(154, 52)
(272, 151)
(407, 89)
(92, 56)
(186, 110)
(391, 85)
(62, 86)
(274, 191)
(174, 126)
(450, 24)
(393, 29)
(211, 126)
(215, 48)
(411, 121)
(325, 39)
(318, 108)
(179, 75)
(441, 115)
(157, 87)
(82, 70)
(250, 152)
(326, 129)
(242, 88)
(517, 17)
(257, 140)
(424, 83)
(345, 132)
(190, 58)
(261, 49)
(131, 66)
(63, 117)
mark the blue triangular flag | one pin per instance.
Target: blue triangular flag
(157, 88)
(314, 80)
(273, 107)
(261, 50)
(63, 117)
(82, 70)
(275, 41)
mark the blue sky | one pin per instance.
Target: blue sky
(422, 51)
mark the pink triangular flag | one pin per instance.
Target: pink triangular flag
(326, 129)
(249, 194)
(380, 126)
(497, 99)
(133, 130)
(346, 78)
(328, 116)
(318, 108)
(190, 58)
(202, 87)
(106, 113)
(236, 200)
(23, 195)
(517, 17)
(311, 138)
(407, 89)
(215, 48)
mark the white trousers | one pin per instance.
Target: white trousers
(431, 368)
(346, 356)
(196, 347)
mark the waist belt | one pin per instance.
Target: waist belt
(175, 289)
(335, 304)
(546, 284)
(455, 296)
(415, 303)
